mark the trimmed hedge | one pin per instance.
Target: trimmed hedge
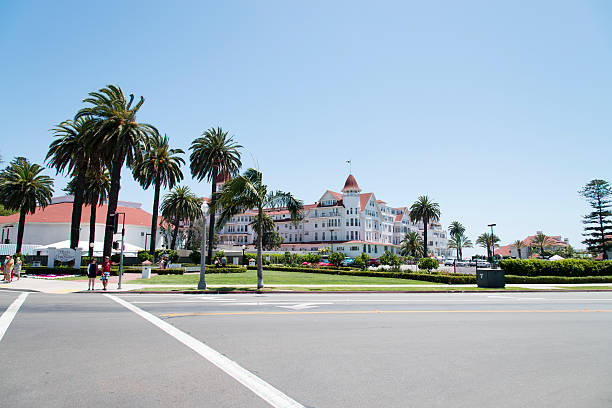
(422, 276)
(558, 279)
(228, 269)
(174, 271)
(565, 267)
(43, 270)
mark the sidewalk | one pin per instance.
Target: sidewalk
(64, 286)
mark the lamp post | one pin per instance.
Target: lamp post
(243, 249)
(492, 244)
(122, 246)
(202, 282)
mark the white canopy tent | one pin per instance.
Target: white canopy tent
(555, 258)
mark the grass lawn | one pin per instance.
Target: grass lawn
(584, 287)
(275, 278)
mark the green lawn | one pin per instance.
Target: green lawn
(275, 278)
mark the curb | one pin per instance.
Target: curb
(218, 292)
(20, 290)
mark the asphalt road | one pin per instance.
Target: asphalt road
(317, 350)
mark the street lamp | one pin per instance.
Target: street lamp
(116, 216)
(202, 282)
(243, 249)
(492, 244)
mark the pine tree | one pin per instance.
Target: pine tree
(598, 226)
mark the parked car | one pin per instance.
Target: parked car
(306, 264)
(449, 262)
(473, 262)
(482, 264)
(348, 262)
(325, 262)
(463, 263)
(373, 262)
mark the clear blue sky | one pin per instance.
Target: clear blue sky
(499, 111)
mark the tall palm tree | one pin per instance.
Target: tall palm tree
(542, 240)
(160, 166)
(488, 241)
(518, 244)
(97, 186)
(458, 242)
(69, 153)
(212, 155)
(180, 205)
(117, 134)
(424, 210)
(23, 188)
(412, 244)
(456, 228)
(246, 192)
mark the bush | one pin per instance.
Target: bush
(390, 259)
(558, 279)
(226, 269)
(428, 263)
(171, 253)
(565, 267)
(362, 261)
(116, 258)
(144, 256)
(195, 257)
(174, 271)
(336, 258)
(43, 270)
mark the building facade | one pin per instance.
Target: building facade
(351, 222)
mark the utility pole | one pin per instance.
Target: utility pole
(492, 253)
(122, 247)
(202, 282)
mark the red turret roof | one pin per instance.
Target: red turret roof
(351, 184)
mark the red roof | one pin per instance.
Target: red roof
(62, 213)
(503, 250)
(351, 184)
(364, 198)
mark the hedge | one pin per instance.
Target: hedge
(558, 279)
(173, 271)
(43, 270)
(565, 267)
(227, 269)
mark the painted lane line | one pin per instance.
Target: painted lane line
(10, 313)
(356, 312)
(302, 306)
(265, 391)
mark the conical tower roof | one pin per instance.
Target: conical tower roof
(351, 186)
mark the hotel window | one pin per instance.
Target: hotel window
(316, 236)
(352, 222)
(323, 236)
(347, 235)
(347, 222)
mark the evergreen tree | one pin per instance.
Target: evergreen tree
(598, 226)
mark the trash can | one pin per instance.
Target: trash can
(490, 278)
(251, 262)
(146, 272)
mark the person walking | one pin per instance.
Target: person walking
(106, 268)
(8, 268)
(92, 272)
(17, 267)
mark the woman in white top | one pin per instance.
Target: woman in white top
(17, 267)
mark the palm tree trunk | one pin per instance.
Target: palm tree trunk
(425, 222)
(154, 217)
(20, 228)
(211, 222)
(458, 252)
(113, 198)
(174, 233)
(92, 226)
(77, 206)
(260, 283)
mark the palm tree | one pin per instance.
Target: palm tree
(488, 241)
(69, 152)
(518, 244)
(180, 205)
(424, 210)
(542, 240)
(456, 228)
(159, 166)
(412, 244)
(23, 188)
(97, 186)
(116, 133)
(212, 155)
(458, 242)
(246, 192)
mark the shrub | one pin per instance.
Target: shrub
(59, 270)
(226, 269)
(311, 258)
(144, 256)
(362, 261)
(195, 257)
(174, 271)
(558, 279)
(171, 253)
(115, 258)
(390, 259)
(428, 263)
(336, 258)
(565, 267)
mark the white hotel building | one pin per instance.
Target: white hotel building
(351, 222)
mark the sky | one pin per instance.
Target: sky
(498, 111)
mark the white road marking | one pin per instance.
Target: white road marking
(302, 306)
(9, 314)
(265, 391)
